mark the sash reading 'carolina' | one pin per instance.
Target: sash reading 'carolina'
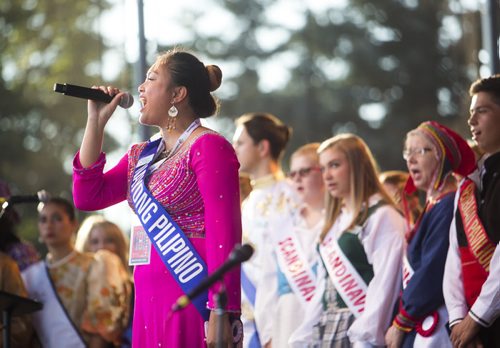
(347, 281)
(480, 245)
(175, 250)
(293, 263)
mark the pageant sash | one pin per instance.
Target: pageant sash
(175, 250)
(251, 338)
(479, 243)
(52, 324)
(293, 263)
(248, 287)
(347, 281)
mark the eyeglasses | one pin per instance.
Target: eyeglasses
(419, 151)
(301, 173)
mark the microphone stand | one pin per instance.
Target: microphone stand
(220, 299)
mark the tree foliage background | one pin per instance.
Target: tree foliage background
(44, 42)
(374, 68)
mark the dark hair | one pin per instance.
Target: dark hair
(186, 70)
(65, 204)
(490, 85)
(8, 235)
(9, 219)
(266, 126)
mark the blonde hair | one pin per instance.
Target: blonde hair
(111, 229)
(310, 150)
(364, 180)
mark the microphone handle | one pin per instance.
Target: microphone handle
(24, 199)
(211, 279)
(82, 92)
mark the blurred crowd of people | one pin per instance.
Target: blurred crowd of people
(399, 258)
(344, 255)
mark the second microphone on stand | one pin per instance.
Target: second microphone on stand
(239, 254)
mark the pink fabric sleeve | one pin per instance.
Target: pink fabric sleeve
(216, 167)
(93, 189)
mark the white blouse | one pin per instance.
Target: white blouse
(384, 243)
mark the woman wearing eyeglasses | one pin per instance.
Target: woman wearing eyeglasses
(432, 153)
(290, 258)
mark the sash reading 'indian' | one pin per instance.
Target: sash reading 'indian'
(175, 250)
(479, 244)
(347, 281)
(293, 263)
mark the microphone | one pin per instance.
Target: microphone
(91, 93)
(239, 254)
(40, 196)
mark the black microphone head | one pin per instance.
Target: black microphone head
(241, 253)
(59, 88)
(126, 101)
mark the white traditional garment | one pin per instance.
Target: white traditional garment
(286, 287)
(383, 242)
(269, 195)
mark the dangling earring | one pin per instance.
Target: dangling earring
(172, 112)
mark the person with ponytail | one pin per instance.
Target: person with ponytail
(182, 186)
(260, 140)
(433, 153)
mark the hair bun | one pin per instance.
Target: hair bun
(214, 77)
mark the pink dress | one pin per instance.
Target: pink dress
(199, 187)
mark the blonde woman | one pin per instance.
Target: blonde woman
(361, 245)
(288, 280)
(98, 233)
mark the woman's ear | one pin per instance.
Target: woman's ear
(180, 93)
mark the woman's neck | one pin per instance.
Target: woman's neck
(434, 195)
(312, 214)
(347, 205)
(60, 252)
(170, 136)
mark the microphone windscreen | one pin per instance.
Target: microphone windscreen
(126, 101)
(242, 253)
